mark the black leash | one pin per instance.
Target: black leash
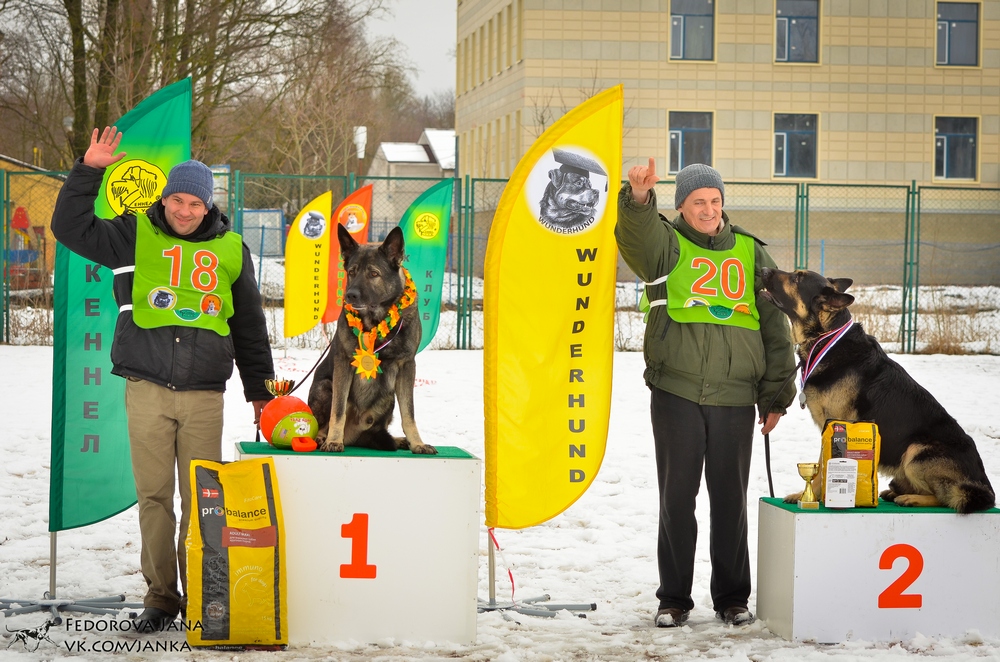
(767, 437)
(302, 381)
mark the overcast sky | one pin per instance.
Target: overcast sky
(426, 28)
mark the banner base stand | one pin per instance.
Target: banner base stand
(539, 606)
(104, 606)
(109, 605)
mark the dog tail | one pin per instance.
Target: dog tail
(969, 497)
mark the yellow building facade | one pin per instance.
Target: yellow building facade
(832, 91)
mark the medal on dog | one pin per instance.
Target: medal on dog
(366, 361)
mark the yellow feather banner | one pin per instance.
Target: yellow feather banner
(548, 306)
(307, 259)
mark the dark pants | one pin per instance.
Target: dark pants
(690, 436)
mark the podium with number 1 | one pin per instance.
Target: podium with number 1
(379, 545)
(877, 574)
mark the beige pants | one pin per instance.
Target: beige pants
(167, 429)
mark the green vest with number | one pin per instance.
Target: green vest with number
(714, 287)
(184, 283)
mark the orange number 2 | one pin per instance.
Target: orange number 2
(699, 285)
(893, 597)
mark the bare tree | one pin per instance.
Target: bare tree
(277, 84)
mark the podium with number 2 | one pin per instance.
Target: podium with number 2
(877, 574)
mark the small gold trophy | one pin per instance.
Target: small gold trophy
(808, 471)
(279, 387)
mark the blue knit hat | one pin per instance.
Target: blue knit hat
(694, 177)
(193, 177)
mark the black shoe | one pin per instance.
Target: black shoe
(671, 617)
(152, 619)
(738, 616)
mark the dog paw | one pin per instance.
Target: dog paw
(888, 495)
(332, 447)
(793, 498)
(423, 449)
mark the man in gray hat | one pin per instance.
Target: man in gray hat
(713, 350)
(188, 305)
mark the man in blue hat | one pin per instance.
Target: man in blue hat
(188, 306)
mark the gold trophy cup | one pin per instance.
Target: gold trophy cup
(808, 471)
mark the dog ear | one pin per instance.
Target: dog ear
(831, 299)
(841, 284)
(392, 247)
(347, 243)
(556, 177)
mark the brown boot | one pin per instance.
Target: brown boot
(738, 616)
(671, 617)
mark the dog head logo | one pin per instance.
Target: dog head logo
(570, 201)
(162, 298)
(134, 185)
(312, 224)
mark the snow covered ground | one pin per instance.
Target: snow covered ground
(602, 549)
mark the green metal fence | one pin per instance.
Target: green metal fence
(894, 241)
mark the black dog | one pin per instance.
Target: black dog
(355, 388)
(929, 457)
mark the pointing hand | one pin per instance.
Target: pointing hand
(642, 178)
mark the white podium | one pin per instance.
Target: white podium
(379, 546)
(877, 574)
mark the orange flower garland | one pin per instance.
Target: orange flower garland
(366, 361)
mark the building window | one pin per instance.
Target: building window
(690, 140)
(955, 147)
(794, 145)
(796, 37)
(692, 26)
(958, 34)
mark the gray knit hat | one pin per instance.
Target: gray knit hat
(192, 177)
(694, 177)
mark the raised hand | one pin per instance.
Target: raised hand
(642, 178)
(101, 152)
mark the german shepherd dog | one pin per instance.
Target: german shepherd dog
(350, 409)
(929, 458)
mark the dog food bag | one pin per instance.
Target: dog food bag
(854, 440)
(235, 556)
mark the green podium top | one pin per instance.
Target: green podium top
(443, 452)
(883, 508)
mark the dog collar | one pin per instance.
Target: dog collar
(366, 361)
(824, 344)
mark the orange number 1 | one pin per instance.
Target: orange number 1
(357, 531)
(175, 265)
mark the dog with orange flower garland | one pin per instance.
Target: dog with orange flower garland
(372, 358)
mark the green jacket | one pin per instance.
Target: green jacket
(711, 364)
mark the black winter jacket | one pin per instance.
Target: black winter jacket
(177, 357)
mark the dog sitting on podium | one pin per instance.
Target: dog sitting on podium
(929, 458)
(371, 361)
